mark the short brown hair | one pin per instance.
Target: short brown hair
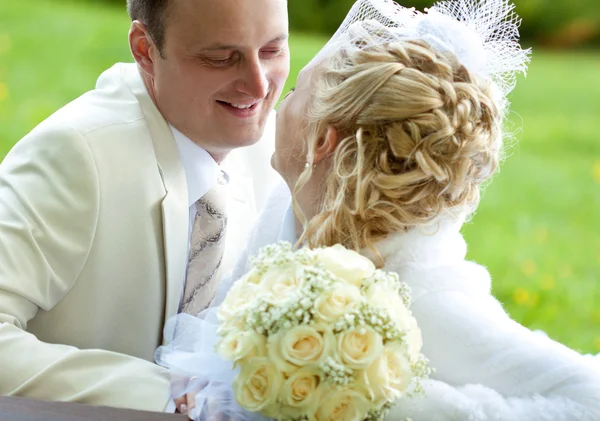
(151, 13)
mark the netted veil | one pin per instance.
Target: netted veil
(482, 34)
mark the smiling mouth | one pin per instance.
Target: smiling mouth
(240, 110)
(239, 106)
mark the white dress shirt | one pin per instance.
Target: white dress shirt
(201, 171)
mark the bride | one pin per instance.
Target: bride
(385, 144)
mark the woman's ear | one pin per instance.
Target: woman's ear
(327, 144)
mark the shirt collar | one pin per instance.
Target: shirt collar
(201, 170)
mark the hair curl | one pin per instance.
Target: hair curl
(418, 133)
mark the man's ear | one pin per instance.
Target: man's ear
(142, 47)
(327, 144)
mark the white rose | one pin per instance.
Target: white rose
(301, 391)
(343, 405)
(381, 296)
(252, 277)
(389, 375)
(240, 296)
(236, 323)
(271, 411)
(280, 283)
(237, 345)
(346, 264)
(300, 346)
(358, 348)
(334, 303)
(257, 385)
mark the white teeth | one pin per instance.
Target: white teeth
(241, 107)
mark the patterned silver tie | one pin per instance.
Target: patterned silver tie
(206, 250)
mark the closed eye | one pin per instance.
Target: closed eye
(270, 53)
(219, 63)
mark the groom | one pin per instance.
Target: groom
(102, 204)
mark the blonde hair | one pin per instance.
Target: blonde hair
(418, 134)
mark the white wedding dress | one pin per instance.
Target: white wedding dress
(488, 367)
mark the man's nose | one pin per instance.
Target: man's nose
(254, 80)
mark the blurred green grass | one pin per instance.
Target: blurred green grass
(537, 229)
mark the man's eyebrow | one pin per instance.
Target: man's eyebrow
(223, 47)
(283, 37)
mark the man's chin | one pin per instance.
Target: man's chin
(242, 141)
(251, 136)
(232, 137)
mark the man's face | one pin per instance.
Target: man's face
(225, 64)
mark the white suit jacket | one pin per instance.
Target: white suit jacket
(93, 240)
(488, 367)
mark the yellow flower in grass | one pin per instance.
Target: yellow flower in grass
(528, 267)
(596, 172)
(3, 91)
(548, 282)
(4, 44)
(541, 235)
(521, 296)
(534, 299)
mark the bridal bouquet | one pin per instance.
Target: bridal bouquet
(320, 335)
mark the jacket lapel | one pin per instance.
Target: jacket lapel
(175, 209)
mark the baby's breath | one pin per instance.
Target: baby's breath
(377, 319)
(336, 373)
(281, 254)
(267, 319)
(379, 414)
(421, 371)
(392, 281)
